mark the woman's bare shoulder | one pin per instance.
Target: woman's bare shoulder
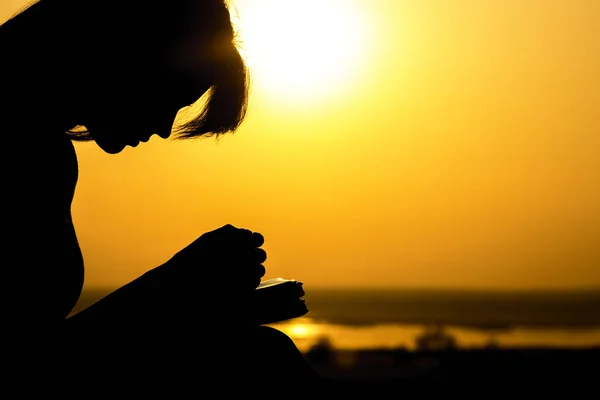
(44, 178)
(71, 169)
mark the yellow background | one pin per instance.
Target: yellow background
(458, 146)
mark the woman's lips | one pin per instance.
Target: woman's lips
(135, 142)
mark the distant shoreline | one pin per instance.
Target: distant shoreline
(491, 312)
(424, 289)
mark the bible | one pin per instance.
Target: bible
(279, 299)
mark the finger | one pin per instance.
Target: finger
(253, 279)
(242, 236)
(257, 239)
(229, 233)
(260, 256)
(260, 271)
(254, 271)
(249, 238)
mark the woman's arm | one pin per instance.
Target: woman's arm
(179, 292)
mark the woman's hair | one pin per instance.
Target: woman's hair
(138, 34)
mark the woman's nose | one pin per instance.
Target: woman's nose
(166, 126)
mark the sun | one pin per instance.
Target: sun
(301, 48)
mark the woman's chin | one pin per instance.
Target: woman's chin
(111, 148)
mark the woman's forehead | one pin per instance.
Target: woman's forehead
(201, 51)
(207, 18)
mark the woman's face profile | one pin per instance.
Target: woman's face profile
(136, 98)
(119, 125)
(142, 105)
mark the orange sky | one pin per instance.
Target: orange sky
(402, 143)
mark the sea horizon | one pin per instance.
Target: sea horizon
(364, 318)
(478, 308)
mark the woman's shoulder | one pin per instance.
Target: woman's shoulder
(70, 170)
(46, 170)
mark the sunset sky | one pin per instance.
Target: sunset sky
(396, 143)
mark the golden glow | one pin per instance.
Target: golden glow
(305, 332)
(457, 147)
(302, 49)
(299, 330)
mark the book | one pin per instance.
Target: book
(278, 300)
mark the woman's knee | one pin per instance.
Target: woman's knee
(280, 356)
(270, 336)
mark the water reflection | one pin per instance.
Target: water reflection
(306, 333)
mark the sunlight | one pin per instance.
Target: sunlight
(300, 328)
(301, 48)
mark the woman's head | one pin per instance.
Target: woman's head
(127, 67)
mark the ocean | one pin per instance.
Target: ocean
(400, 318)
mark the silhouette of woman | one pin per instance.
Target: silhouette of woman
(116, 72)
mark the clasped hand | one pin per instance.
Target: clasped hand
(216, 275)
(227, 257)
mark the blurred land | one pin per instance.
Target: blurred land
(481, 371)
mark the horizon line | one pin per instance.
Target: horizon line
(595, 288)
